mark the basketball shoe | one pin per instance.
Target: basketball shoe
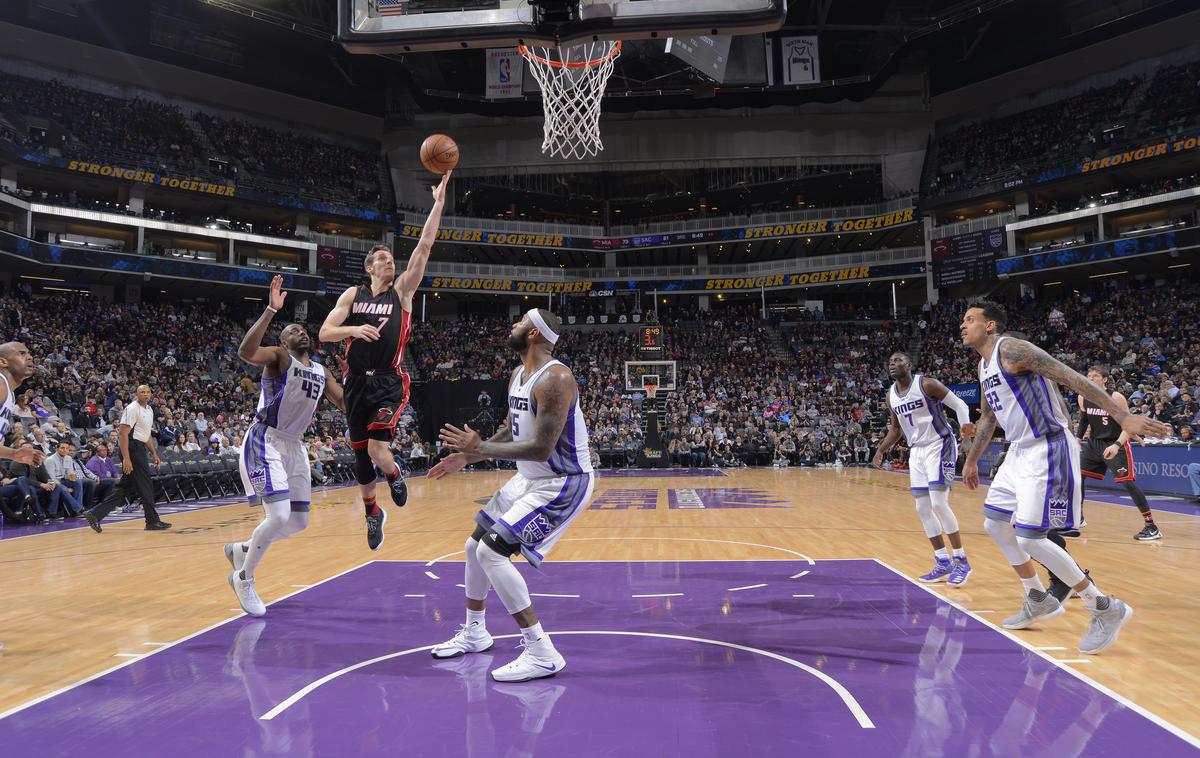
(1105, 625)
(940, 571)
(471, 638)
(532, 665)
(247, 596)
(235, 554)
(375, 528)
(1038, 605)
(960, 572)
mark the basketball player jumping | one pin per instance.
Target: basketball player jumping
(273, 460)
(376, 321)
(15, 366)
(1037, 488)
(546, 435)
(1106, 448)
(916, 413)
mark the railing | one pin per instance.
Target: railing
(974, 225)
(792, 265)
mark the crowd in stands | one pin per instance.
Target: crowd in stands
(140, 132)
(748, 391)
(1130, 192)
(1085, 126)
(91, 356)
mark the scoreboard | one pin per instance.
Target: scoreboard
(968, 257)
(650, 342)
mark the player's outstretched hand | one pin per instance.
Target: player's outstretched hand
(277, 293)
(1144, 426)
(971, 475)
(465, 440)
(451, 464)
(439, 192)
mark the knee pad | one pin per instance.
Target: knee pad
(1006, 539)
(929, 522)
(364, 469)
(496, 545)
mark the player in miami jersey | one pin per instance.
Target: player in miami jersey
(273, 460)
(546, 435)
(375, 320)
(916, 413)
(1038, 487)
(1106, 448)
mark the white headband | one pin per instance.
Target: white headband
(546, 331)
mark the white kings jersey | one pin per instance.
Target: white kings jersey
(6, 410)
(288, 401)
(922, 419)
(571, 454)
(1027, 406)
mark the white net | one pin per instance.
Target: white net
(572, 81)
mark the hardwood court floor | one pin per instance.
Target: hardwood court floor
(78, 603)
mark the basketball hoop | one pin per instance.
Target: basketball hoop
(572, 80)
(651, 390)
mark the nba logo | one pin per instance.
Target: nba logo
(505, 71)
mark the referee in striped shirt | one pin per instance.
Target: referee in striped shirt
(137, 444)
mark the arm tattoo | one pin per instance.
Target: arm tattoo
(1024, 356)
(985, 427)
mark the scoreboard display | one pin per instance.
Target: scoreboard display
(967, 257)
(651, 341)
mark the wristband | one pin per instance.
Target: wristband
(272, 310)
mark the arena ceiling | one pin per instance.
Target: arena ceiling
(289, 46)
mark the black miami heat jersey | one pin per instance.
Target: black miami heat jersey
(385, 313)
(1102, 425)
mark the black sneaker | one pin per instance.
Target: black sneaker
(375, 529)
(1148, 533)
(93, 522)
(1060, 589)
(157, 526)
(1069, 533)
(398, 487)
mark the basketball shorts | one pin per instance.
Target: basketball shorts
(533, 513)
(374, 405)
(1038, 486)
(931, 467)
(275, 468)
(1093, 465)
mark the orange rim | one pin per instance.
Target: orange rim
(525, 51)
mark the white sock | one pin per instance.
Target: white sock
(477, 617)
(942, 554)
(1034, 583)
(1090, 595)
(537, 641)
(960, 552)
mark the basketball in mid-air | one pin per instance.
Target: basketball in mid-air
(439, 153)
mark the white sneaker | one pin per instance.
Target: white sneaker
(235, 555)
(530, 666)
(470, 639)
(247, 597)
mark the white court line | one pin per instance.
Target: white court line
(797, 576)
(803, 595)
(975, 611)
(1181, 734)
(461, 586)
(432, 575)
(1073, 660)
(546, 594)
(156, 643)
(414, 596)
(130, 655)
(810, 561)
(209, 628)
(1051, 648)
(747, 587)
(662, 594)
(860, 715)
(302, 586)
